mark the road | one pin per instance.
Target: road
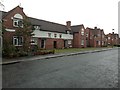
(92, 70)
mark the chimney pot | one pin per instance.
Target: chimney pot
(68, 24)
(95, 27)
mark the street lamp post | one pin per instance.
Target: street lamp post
(112, 37)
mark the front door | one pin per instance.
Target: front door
(55, 44)
(42, 43)
(65, 43)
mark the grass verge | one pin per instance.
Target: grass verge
(71, 50)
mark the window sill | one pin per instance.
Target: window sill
(18, 45)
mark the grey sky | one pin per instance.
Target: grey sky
(91, 13)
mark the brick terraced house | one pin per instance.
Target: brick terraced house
(95, 37)
(47, 35)
(79, 36)
(113, 39)
(50, 35)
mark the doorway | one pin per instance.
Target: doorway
(42, 43)
(55, 44)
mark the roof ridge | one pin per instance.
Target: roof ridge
(77, 25)
(47, 21)
(11, 10)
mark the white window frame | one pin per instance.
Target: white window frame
(37, 27)
(102, 42)
(55, 35)
(86, 35)
(68, 32)
(82, 31)
(49, 35)
(98, 42)
(60, 35)
(33, 41)
(43, 42)
(109, 38)
(82, 42)
(17, 21)
(16, 38)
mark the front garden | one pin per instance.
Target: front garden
(12, 52)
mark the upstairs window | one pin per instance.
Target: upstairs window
(60, 35)
(17, 23)
(86, 35)
(82, 31)
(109, 38)
(103, 36)
(17, 20)
(98, 35)
(55, 35)
(49, 35)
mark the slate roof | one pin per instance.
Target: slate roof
(77, 28)
(2, 14)
(48, 26)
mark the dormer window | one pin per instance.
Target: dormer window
(68, 32)
(36, 27)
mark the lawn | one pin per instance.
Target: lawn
(68, 50)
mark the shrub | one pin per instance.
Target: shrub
(9, 51)
(43, 52)
(22, 53)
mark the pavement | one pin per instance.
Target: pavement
(40, 57)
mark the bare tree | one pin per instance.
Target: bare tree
(2, 5)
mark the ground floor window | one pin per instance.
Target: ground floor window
(82, 42)
(99, 43)
(34, 41)
(17, 40)
(103, 42)
(43, 43)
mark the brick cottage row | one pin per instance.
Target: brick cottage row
(49, 35)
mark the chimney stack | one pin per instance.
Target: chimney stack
(113, 33)
(95, 27)
(68, 24)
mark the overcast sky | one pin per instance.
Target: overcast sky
(91, 13)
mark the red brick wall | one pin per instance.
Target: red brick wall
(77, 38)
(8, 23)
(49, 43)
(109, 40)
